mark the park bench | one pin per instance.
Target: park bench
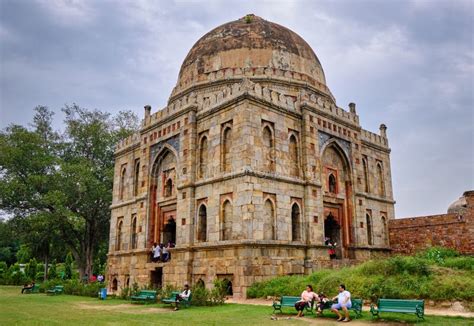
(34, 289)
(144, 296)
(58, 289)
(356, 306)
(396, 305)
(172, 299)
(288, 301)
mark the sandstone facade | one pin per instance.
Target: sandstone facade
(248, 168)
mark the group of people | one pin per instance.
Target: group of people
(343, 302)
(160, 252)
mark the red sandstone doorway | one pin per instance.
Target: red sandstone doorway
(333, 228)
(169, 227)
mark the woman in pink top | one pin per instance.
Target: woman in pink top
(307, 297)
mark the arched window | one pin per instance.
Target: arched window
(136, 178)
(118, 245)
(332, 184)
(226, 150)
(268, 149)
(369, 229)
(384, 231)
(226, 220)
(134, 234)
(169, 188)
(294, 158)
(202, 223)
(269, 221)
(381, 180)
(366, 174)
(114, 284)
(122, 183)
(295, 223)
(200, 283)
(203, 158)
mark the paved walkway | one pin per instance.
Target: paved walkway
(428, 311)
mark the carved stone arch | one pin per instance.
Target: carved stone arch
(226, 219)
(333, 143)
(269, 223)
(369, 226)
(268, 139)
(158, 176)
(202, 223)
(123, 175)
(119, 235)
(134, 231)
(203, 157)
(161, 153)
(226, 147)
(380, 179)
(296, 221)
(294, 152)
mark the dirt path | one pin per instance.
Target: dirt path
(428, 311)
(123, 308)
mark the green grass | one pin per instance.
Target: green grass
(39, 309)
(396, 277)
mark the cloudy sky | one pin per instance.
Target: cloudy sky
(408, 64)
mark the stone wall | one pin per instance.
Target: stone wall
(454, 230)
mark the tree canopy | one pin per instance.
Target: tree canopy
(58, 185)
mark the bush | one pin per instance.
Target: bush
(396, 277)
(52, 273)
(438, 254)
(204, 297)
(466, 263)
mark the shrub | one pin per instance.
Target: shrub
(39, 276)
(68, 266)
(466, 263)
(52, 273)
(438, 254)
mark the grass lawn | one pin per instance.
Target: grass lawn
(39, 309)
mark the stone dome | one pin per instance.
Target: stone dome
(459, 206)
(251, 46)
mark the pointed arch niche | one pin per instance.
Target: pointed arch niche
(269, 217)
(338, 197)
(163, 196)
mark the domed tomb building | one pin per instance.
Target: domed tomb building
(249, 170)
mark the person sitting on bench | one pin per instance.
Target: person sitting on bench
(28, 287)
(343, 302)
(307, 296)
(182, 296)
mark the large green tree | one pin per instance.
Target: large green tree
(59, 186)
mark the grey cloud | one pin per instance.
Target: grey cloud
(409, 64)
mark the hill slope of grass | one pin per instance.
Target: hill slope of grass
(436, 274)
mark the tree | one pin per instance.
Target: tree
(68, 267)
(52, 273)
(23, 254)
(61, 186)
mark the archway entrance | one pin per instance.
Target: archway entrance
(169, 231)
(332, 232)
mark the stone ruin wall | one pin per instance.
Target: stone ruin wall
(409, 235)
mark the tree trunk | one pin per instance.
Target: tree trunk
(46, 263)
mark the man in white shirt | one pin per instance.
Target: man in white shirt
(183, 296)
(343, 302)
(157, 254)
